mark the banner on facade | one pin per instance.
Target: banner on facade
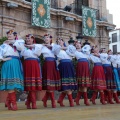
(89, 21)
(41, 13)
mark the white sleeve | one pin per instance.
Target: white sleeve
(76, 52)
(118, 60)
(56, 49)
(71, 50)
(91, 57)
(103, 58)
(86, 48)
(25, 52)
(38, 49)
(3, 49)
(88, 56)
(19, 44)
(112, 58)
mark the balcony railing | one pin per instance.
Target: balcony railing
(28, 0)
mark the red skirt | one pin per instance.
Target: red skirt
(83, 74)
(51, 76)
(110, 82)
(32, 75)
(98, 78)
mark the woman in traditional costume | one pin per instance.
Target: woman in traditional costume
(82, 72)
(98, 76)
(110, 82)
(67, 73)
(32, 70)
(114, 61)
(51, 77)
(11, 71)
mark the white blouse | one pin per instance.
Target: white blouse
(80, 55)
(104, 58)
(86, 49)
(118, 60)
(95, 59)
(47, 52)
(7, 50)
(63, 55)
(32, 53)
(71, 50)
(113, 59)
(56, 49)
(29, 53)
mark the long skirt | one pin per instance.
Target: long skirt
(117, 79)
(110, 82)
(98, 78)
(32, 75)
(83, 74)
(51, 76)
(12, 75)
(67, 73)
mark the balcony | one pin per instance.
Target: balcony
(76, 7)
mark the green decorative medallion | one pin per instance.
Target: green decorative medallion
(89, 21)
(41, 13)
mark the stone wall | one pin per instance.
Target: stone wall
(20, 19)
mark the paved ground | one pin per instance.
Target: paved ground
(82, 112)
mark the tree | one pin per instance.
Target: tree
(2, 40)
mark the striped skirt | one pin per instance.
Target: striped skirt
(51, 76)
(12, 75)
(83, 73)
(67, 73)
(117, 79)
(98, 77)
(32, 75)
(110, 82)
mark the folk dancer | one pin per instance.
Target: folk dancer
(82, 72)
(32, 70)
(67, 73)
(98, 76)
(114, 61)
(11, 71)
(50, 77)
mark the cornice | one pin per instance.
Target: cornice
(59, 12)
(22, 3)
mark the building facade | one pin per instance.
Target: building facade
(114, 40)
(16, 14)
(19, 18)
